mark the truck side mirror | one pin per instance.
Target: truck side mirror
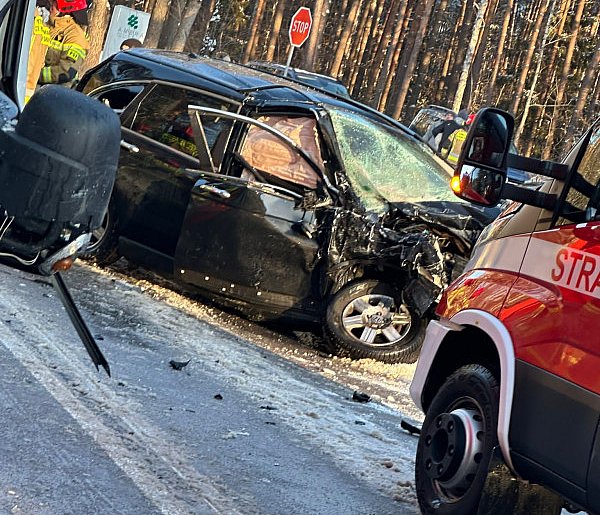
(57, 168)
(481, 171)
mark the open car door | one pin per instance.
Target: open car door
(251, 233)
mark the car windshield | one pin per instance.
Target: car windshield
(383, 165)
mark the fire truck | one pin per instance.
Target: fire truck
(509, 373)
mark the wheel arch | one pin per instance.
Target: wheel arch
(476, 337)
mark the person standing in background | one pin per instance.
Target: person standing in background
(68, 45)
(38, 47)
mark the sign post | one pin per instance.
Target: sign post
(299, 31)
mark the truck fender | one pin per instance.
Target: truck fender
(489, 324)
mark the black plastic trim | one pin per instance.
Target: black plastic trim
(552, 429)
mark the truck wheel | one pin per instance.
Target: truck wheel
(367, 319)
(103, 247)
(456, 443)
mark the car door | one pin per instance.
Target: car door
(253, 235)
(159, 165)
(553, 311)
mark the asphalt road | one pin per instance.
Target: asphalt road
(237, 430)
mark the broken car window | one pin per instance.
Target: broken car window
(268, 154)
(163, 116)
(383, 167)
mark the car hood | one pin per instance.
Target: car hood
(462, 220)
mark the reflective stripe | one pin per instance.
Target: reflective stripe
(46, 74)
(39, 28)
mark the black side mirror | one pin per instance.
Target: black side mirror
(57, 168)
(481, 171)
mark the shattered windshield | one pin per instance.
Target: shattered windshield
(383, 165)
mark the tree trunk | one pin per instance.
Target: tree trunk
(277, 23)
(536, 75)
(562, 84)
(491, 90)
(352, 81)
(157, 21)
(442, 89)
(584, 91)
(382, 46)
(529, 56)
(345, 37)
(384, 82)
(412, 62)
(466, 67)
(249, 51)
(171, 23)
(190, 12)
(99, 16)
(367, 66)
(311, 46)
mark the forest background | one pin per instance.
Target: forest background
(538, 59)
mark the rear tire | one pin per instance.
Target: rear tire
(367, 319)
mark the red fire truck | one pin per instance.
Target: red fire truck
(509, 374)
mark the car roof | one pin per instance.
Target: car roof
(231, 80)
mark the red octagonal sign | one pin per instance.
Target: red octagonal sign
(300, 26)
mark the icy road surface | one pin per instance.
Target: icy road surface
(240, 429)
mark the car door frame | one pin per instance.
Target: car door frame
(326, 193)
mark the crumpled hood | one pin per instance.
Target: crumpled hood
(463, 220)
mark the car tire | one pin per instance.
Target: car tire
(450, 467)
(103, 247)
(367, 319)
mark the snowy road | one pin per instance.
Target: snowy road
(238, 430)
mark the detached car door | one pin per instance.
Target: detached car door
(252, 235)
(159, 165)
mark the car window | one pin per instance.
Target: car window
(272, 157)
(163, 116)
(584, 198)
(120, 97)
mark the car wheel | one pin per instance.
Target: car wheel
(367, 319)
(103, 247)
(456, 443)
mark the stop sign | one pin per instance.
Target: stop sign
(300, 26)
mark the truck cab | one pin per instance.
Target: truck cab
(508, 370)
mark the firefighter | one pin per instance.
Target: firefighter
(68, 45)
(38, 47)
(457, 139)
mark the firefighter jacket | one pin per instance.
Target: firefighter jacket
(67, 49)
(457, 140)
(37, 52)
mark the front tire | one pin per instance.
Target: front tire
(456, 443)
(367, 319)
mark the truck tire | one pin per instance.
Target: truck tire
(456, 443)
(367, 319)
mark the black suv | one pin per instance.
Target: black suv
(280, 200)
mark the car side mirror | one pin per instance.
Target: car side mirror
(481, 170)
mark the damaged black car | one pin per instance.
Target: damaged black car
(281, 200)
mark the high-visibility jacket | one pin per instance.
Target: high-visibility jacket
(457, 139)
(67, 49)
(37, 53)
